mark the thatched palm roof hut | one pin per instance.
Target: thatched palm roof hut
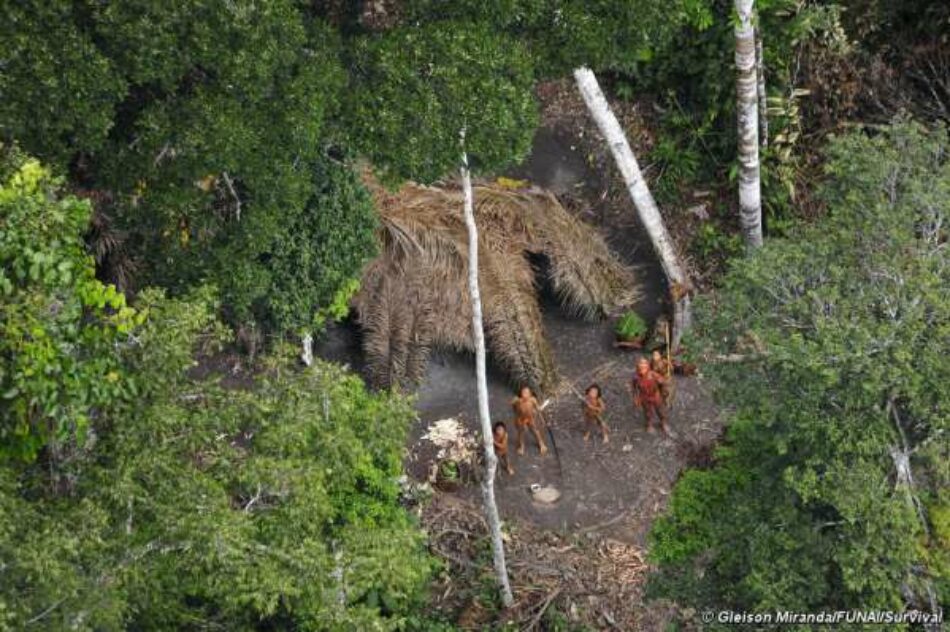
(414, 295)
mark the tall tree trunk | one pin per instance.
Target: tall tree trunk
(760, 89)
(481, 385)
(306, 349)
(643, 200)
(747, 108)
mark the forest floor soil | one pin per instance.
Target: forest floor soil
(627, 480)
(623, 483)
(560, 581)
(582, 557)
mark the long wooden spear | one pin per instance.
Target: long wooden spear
(547, 426)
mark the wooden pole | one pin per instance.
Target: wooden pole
(642, 199)
(481, 387)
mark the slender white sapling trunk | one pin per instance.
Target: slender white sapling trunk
(481, 385)
(747, 108)
(643, 200)
(306, 349)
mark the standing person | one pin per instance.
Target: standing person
(526, 409)
(663, 367)
(647, 396)
(500, 439)
(594, 407)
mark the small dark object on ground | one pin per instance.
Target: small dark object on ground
(684, 368)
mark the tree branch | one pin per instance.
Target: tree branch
(237, 199)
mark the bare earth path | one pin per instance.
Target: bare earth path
(623, 483)
(583, 556)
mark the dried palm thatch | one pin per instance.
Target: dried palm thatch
(414, 295)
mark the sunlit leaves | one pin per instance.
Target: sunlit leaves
(844, 327)
(58, 324)
(272, 505)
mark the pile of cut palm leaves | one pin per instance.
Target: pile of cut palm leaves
(414, 295)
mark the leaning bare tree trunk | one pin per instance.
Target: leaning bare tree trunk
(642, 198)
(750, 198)
(481, 385)
(760, 89)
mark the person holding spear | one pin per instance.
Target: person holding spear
(527, 408)
(664, 367)
(647, 396)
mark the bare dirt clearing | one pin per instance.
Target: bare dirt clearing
(626, 481)
(582, 557)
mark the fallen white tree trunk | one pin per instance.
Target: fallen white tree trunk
(481, 385)
(747, 109)
(643, 200)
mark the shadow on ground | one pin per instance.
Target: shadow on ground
(619, 486)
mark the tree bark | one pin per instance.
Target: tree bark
(760, 89)
(306, 349)
(643, 200)
(747, 108)
(481, 385)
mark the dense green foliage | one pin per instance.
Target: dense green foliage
(415, 88)
(157, 497)
(183, 121)
(845, 327)
(58, 324)
(211, 506)
(826, 63)
(59, 92)
(473, 64)
(200, 131)
(698, 143)
(289, 269)
(562, 35)
(206, 87)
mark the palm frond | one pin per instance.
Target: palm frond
(513, 325)
(415, 297)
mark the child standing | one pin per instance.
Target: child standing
(593, 410)
(500, 440)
